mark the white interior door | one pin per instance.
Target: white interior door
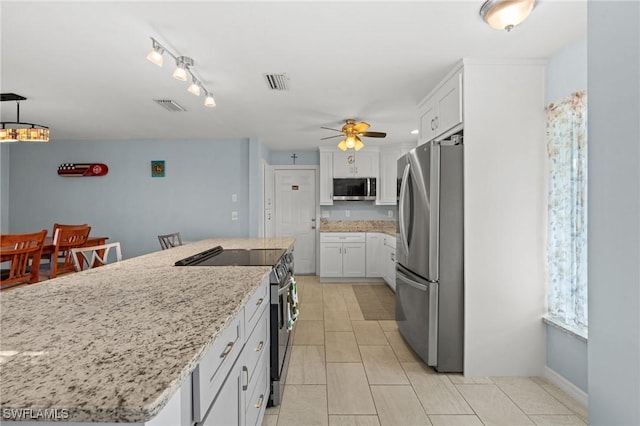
(295, 214)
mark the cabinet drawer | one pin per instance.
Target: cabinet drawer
(343, 237)
(257, 345)
(259, 391)
(255, 306)
(210, 373)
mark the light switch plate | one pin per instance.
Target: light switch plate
(389, 213)
(234, 215)
(326, 213)
(234, 198)
(347, 213)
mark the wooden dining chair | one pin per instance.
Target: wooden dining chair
(65, 238)
(22, 252)
(168, 241)
(90, 257)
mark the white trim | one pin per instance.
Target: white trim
(572, 390)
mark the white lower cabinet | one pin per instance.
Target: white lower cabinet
(227, 407)
(374, 255)
(236, 394)
(342, 254)
(388, 261)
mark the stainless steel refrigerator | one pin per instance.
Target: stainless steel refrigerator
(429, 251)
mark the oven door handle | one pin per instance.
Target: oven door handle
(283, 290)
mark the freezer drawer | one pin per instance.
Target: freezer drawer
(417, 314)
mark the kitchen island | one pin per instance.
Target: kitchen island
(114, 344)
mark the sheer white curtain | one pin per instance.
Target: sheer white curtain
(567, 227)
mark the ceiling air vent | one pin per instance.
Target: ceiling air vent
(277, 81)
(169, 105)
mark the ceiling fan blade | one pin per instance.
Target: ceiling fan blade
(374, 134)
(329, 128)
(331, 137)
(361, 127)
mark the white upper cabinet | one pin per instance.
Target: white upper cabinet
(350, 164)
(387, 181)
(326, 178)
(441, 111)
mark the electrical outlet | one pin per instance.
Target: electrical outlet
(326, 213)
(234, 198)
(234, 215)
(347, 213)
(389, 213)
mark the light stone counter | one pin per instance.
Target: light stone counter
(113, 344)
(383, 226)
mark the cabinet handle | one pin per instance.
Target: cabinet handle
(245, 371)
(259, 347)
(227, 350)
(259, 302)
(259, 404)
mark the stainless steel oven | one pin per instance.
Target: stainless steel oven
(281, 340)
(281, 262)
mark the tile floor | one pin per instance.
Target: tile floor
(348, 371)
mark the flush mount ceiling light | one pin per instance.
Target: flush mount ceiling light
(183, 71)
(17, 131)
(506, 14)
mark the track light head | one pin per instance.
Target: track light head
(182, 65)
(194, 87)
(155, 55)
(209, 101)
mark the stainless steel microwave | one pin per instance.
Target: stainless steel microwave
(354, 189)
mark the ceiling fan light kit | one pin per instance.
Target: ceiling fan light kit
(17, 131)
(182, 72)
(352, 133)
(506, 14)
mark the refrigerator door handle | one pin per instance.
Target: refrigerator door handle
(403, 193)
(411, 282)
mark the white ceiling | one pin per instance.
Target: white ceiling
(82, 64)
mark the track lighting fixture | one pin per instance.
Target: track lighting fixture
(182, 72)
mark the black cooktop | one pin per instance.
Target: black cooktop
(218, 256)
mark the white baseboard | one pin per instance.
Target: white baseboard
(572, 390)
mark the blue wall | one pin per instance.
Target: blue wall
(566, 74)
(128, 205)
(614, 212)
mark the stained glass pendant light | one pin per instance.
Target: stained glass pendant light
(17, 131)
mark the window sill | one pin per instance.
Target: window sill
(576, 332)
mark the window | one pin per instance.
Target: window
(567, 214)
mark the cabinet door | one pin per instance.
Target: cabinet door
(353, 259)
(228, 407)
(344, 164)
(330, 259)
(428, 113)
(326, 178)
(374, 255)
(366, 164)
(449, 104)
(390, 265)
(387, 181)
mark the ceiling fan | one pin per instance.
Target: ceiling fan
(352, 133)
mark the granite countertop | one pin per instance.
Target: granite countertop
(383, 226)
(113, 344)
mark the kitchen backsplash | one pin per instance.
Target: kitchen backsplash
(358, 210)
